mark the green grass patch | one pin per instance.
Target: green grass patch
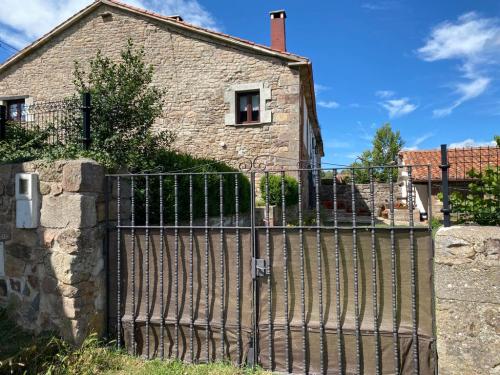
(23, 353)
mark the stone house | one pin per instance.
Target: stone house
(426, 166)
(227, 98)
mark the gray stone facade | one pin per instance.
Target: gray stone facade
(54, 274)
(467, 279)
(198, 73)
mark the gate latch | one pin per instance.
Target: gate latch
(259, 268)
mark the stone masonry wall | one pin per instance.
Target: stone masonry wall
(467, 279)
(194, 70)
(54, 274)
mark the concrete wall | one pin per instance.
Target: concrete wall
(467, 279)
(196, 73)
(54, 274)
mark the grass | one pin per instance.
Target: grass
(23, 353)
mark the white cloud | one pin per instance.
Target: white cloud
(384, 94)
(21, 25)
(418, 141)
(475, 42)
(329, 104)
(471, 143)
(380, 5)
(318, 88)
(334, 143)
(398, 107)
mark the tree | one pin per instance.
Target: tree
(497, 140)
(125, 105)
(386, 146)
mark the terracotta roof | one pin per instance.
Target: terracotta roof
(173, 20)
(461, 161)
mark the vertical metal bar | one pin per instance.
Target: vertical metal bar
(285, 273)
(340, 350)
(444, 186)
(302, 280)
(394, 282)
(238, 266)
(148, 315)
(222, 267)
(162, 290)
(355, 270)
(320, 275)
(269, 284)
(134, 308)
(429, 200)
(106, 254)
(374, 273)
(191, 270)
(176, 264)
(118, 264)
(3, 122)
(253, 239)
(413, 279)
(207, 255)
(86, 120)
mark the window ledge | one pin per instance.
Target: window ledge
(250, 124)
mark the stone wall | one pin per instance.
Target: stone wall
(467, 279)
(196, 72)
(362, 194)
(54, 274)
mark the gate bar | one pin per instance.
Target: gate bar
(355, 270)
(302, 281)
(340, 351)
(376, 335)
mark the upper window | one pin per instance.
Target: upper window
(248, 107)
(16, 110)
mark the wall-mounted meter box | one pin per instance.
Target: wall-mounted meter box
(27, 199)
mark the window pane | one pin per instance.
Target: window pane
(13, 111)
(242, 116)
(255, 107)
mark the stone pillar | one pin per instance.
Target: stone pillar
(54, 277)
(467, 282)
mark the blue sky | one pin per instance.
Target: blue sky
(430, 68)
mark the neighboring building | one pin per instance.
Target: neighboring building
(461, 161)
(227, 98)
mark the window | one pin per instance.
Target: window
(248, 107)
(16, 110)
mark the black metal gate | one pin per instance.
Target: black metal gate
(236, 266)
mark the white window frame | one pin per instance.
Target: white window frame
(265, 115)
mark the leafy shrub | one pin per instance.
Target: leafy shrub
(275, 189)
(481, 204)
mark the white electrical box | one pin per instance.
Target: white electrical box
(27, 207)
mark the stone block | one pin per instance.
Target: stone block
(467, 337)
(68, 210)
(83, 176)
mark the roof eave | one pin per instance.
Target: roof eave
(179, 24)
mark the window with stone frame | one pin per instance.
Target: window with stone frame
(16, 110)
(248, 107)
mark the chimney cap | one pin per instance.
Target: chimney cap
(177, 17)
(278, 13)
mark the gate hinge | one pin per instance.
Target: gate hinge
(259, 268)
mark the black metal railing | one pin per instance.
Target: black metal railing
(53, 122)
(200, 271)
(463, 172)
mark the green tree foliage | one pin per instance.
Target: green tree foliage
(481, 204)
(125, 106)
(386, 146)
(497, 140)
(276, 183)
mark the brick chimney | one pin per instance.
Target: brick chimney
(278, 35)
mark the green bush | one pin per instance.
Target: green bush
(275, 189)
(170, 161)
